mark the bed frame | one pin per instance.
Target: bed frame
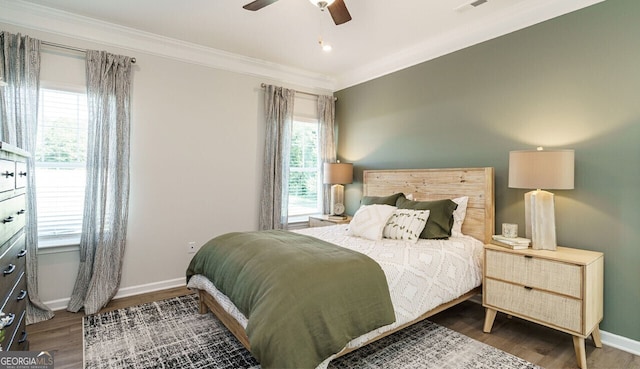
(423, 184)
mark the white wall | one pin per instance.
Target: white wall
(196, 157)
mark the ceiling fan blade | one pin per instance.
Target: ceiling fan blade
(339, 12)
(258, 4)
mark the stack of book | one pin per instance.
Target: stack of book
(515, 243)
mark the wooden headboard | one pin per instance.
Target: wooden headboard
(436, 184)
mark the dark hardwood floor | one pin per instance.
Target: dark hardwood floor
(62, 335)
(535, 343)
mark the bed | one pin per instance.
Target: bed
(475, 185)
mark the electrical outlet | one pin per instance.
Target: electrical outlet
(191, 247)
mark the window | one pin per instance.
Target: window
(305, 195)
(60, 161)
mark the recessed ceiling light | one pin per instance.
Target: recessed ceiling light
(325, 46)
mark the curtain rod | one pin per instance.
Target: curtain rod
(72, 48)
(263, 85)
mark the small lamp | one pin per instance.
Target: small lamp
(541, 169)
(337, 174)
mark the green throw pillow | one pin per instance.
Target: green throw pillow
(440, 217)
(382, 200)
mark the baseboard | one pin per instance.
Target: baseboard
(150, 287)
(620, 342)
(62, 304)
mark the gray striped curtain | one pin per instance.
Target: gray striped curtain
(20, 68)
(104, 228)
(278, 105)
(327, 145)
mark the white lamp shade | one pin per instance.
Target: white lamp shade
(541, 169)
(338, 173)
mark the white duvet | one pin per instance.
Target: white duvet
(420, 275)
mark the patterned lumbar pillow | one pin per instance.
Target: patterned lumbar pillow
(369, 221)
(406, 224)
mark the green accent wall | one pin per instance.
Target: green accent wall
(570, 82)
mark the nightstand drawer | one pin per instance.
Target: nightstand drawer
(313, 222)
(563, 278)
(325, 220)
(548, 308)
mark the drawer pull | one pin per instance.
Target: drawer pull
(22, 253)
(9, 269)
(23, 339)
(22, 174)
(8, 220)
(21, 211)
(528, 257)
(11, 317)
(8, 174)
(528, 288)
(22, 295)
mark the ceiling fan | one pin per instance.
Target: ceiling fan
(337, 9)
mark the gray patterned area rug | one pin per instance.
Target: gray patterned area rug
(172, 334)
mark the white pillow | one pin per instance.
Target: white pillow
(406, 224)
(369, 221)
(458, 215)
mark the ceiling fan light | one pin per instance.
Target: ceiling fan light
(321, 3)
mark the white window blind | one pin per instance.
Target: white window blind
(60, 160)
(304, 185)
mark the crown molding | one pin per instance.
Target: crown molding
(510, 20)
(54, 21)
(45, 19)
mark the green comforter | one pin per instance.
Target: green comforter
(304, 298)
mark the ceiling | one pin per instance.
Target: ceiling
(383, 36)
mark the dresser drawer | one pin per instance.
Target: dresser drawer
(563, 278)
(548, 308)
(12, 217)
(14, 307)
(7, 175)
(18, 339)
(12, 264)
(21, 174)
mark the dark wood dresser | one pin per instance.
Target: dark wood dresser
(13, 251)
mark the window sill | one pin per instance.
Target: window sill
(58, 249)
(58, 245)
(298, 219)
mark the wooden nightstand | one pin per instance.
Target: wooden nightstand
(560, 289)
(323, 221)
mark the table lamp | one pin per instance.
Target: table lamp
(541, 169)
(337, 174)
